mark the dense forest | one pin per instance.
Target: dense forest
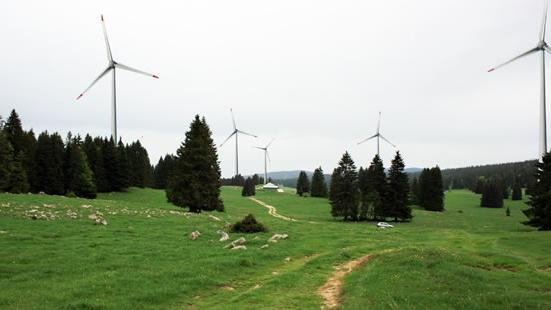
(73, 167)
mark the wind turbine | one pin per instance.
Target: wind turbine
(111, 65)
(236, 132)
(377, 135)
(540, 47)
(266, 157)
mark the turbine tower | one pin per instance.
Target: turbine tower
(377, 135)
(540, 47)
(266, 157)
(236, 132)
(111, 65)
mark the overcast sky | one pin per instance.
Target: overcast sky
(312, 74)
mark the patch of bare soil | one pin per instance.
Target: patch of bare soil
(272, 210)
(332, 289)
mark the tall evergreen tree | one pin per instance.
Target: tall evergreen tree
(49, 164)
(303, 183)
(14, 132)
(78, 175)
(398, 186)
(517, 191)
(18, 178)
(539, 213)
(432, 189)
(248, 188)
(6, 162)
(414, 192)
(377, 182)
(196, 180)
(319, 187)
(343, 195)
(492, 195)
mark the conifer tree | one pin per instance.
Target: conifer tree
(517, 191)
(6, 162)
(248, 188)
(398, 185)
(17, 176)
(414, 192)
(14, 132)
(377, 182)
(492, 195)
(319, 187)
(303, 184)
(539, 213)
(344, 191)
(124, 169)
(78, 176)
(49, 164)
(432, 189)
(195, 183)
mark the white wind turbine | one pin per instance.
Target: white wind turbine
(377, 135)
(111, 65)
(266, 157)
(540, 47)
(236, 132)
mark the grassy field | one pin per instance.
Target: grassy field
(465, 257)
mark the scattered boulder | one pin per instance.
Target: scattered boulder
(287, 259)
(239, 242)
(194, 235)
(214, 218)
(98, 218)
(275, 238)
(239, 247)
(86, 206)
(223, 235)
(265, 246)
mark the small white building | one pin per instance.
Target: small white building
(270, 186)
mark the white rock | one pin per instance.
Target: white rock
(275, 238)
(239, 247)
(223, 235)
(384, 225)
(194, 235)
(214, 218)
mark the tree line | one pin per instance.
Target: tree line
(73, 167)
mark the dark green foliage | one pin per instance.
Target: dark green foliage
(248, 225)
(319, 187)
(78, 176)
(376, 182)
(507, 212)
(195, 183)
(398, 190)
(139, 165)
(517, 191)
(431, 189)
(539, 214)
(303, 184)
(343, 194)
(492, 195)
(414, 192)
(237, 180)
(256, 179)
(6, 161)
(49, 164)
(163, 170)
(479, 186)
(17, 177)
(14, 132)
(248, 188)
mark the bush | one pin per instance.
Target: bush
(248, 225)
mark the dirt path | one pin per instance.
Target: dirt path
(272, 210)
(332, 289)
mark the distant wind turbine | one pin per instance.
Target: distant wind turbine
(377, 135)
(236, 132)
(540, 47)
(111, 65)
(266, 157)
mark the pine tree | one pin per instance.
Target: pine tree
(6, 162)
(539, 213)
(248, 188)
(414, 192)
(398, 185)
(195, 182)
(377, 182)
(124, 169)
(78, 176)
(431, 189)
(319, 187)
(517, 191)
(344, 191)
(492, 195)
(14, 132)
(303, 184)
(49, 164)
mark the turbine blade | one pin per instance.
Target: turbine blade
(365, 140)
(124, 67)
(548, 49)
(544, 22)
(518, 57)
(246, 133)
(270, 143)
(387, 141)
(233, 133)
(233, 120)
(94, 82)
(260, 148)
(109, 55)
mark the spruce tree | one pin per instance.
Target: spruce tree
(14, 132)
(539, 213)
(492, 195)
(195, 183)
(432, 189)
(344, 191)
(6, 162)
(377, 182)
(414, 192)
(398, 187)
(49, 164)
(303, 184)
(517, 191)
(248, 188)
(319, 187)
(124, 169)
(78, 175)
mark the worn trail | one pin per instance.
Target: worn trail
(272, 210)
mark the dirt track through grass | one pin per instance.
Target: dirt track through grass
(272, 210)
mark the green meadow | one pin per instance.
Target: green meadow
(465, 257)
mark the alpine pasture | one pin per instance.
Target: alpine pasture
(464, 257)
